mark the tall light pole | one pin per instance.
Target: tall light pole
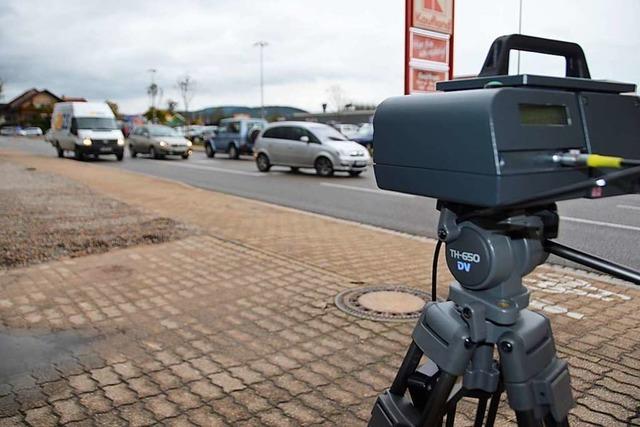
(261, 44)
(153, 92)
(519, 31)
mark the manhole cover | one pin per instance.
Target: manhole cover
(387, 303)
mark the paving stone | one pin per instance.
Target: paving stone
(69, 410)
(143, 386)
(95, 402)
(205, 417)
(110, 419)
(226, 382)
(82, 383)
(206, 390)
(299, 412)
(105, 376)
(136, 415)
(184, 399)
(160, 407)
(120, 394)
(41, 417)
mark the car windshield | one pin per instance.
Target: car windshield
(95, 123)
(162, 131)
(327, 133)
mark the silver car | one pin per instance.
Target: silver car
(158, 141)
(309, 145)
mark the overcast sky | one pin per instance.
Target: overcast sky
(102, 50)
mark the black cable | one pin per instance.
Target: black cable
(554, 194)
(630, 162)
(434, 272)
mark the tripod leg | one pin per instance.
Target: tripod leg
(409, 365)
(451, 415)
(549, 421)
(527, 419)
(493, 406)
(480, 412)
(433, 411)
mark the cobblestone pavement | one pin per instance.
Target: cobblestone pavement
(236, 325)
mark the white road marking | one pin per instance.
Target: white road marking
(600, 223)
(635, 208)
(216, 169)
(367, 190)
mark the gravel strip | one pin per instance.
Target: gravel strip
(45, 217)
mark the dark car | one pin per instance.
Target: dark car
(235, 137)
(364, 136)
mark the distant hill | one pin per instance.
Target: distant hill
(212, 115)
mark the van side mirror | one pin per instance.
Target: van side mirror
(145, 134)
(304, 138)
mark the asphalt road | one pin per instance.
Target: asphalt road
(609, 227)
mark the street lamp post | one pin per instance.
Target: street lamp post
(261, 44)
(153, 92)
(519, 31)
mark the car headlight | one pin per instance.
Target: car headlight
(189, 143)
(120, 141)
(87, 142)
(163, 144)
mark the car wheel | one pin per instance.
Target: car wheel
(355, 173)
(324, 167)
(78, 155)
(263, 163)
(185, 155)
(233, 152)
(133, 152)
(59, 150)
(152, 152)
(210, 151)
(120, 156)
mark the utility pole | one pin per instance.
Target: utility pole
(153, 92)
(519, 32)
(261, 44)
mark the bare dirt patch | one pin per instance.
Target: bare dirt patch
(45, 217)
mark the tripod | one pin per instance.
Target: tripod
(486, 310)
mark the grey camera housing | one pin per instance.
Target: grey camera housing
(489, 141)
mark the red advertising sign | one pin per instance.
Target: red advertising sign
(435, 15)
(423, 81)
(429, 46)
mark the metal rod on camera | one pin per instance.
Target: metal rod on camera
(592, 261)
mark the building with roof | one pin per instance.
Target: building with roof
(32, 108)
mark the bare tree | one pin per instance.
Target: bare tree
(1, 88)
(187, 88)
(172, 105)
(337, 97)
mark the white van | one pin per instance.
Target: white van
(86, 128)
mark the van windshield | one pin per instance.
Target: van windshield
(94, 123)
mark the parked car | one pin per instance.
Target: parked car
(309, 145)
(347, 130)
(365, 136)
(158, 141)
(12, 131)
(235, 137)
(199, 134)
(85, 128)
(32, 131)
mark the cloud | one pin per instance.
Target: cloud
(102, 50)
